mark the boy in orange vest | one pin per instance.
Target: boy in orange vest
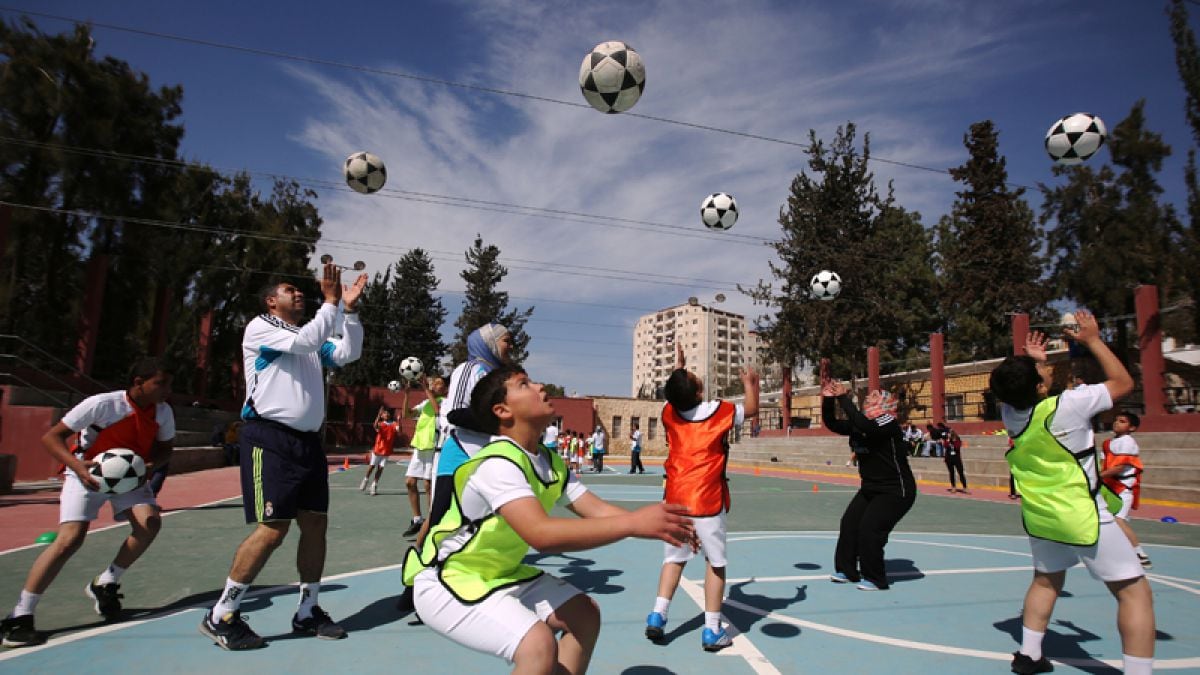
(1123, 475)
(698, 449)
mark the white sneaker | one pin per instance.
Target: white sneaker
(363, 485)
(374, 489)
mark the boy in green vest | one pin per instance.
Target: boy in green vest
(469, 581)
(424, 443)
(1054, 463)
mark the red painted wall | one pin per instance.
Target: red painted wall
(21, 433)
(578, 414)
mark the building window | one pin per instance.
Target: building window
(652, 431)
(616, 426)
(954, 407)
(635, 422)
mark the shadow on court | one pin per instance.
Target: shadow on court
(578, 572)
(1065, 640)
(746, 620)
(902, 570)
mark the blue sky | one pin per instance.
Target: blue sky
(913, 73)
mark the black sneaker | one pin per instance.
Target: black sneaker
(413, 528)
(19, 632)
(319, 624)
(1023, 665)
(405, 603)
(107, 598)
(231, 633)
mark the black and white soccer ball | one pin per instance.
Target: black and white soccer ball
(612, 77)
(1075, 138)
(411, 368)
(719, 211)
(395, 386)
(365, 172)
(119, 470)
(825, 285)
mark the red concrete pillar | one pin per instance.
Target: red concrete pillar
(1020, 330)
(158, 325)
(937, 377)
(89, 316)
(1149, 331)
(785, 404)
(203, 351)
(872, 368)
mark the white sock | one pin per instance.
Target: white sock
(308, 599)
(712, 621)
(26, 604)
(112, 575)
(661, 605)
(417, 519)
(1031, 643)
(231, 599)
(1138, 550)
(1138, 665)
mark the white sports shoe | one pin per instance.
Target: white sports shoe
(363, 485)
(374, 489)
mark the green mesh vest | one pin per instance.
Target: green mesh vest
(1057, 501)
(491, 558)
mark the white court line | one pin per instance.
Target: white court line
(111, 628)
(907, 573)
(742, 646)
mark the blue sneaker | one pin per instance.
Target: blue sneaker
(655, 623)
(839, 578)
(865, 585)
(715, 642)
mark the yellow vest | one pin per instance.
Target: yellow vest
(1057, 501)
(491, 558)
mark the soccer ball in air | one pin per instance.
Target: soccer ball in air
(612, 77)
(411, 368)
(394, 385)
(365, 172)
(119, 470)
(719, 211)
(1075, 138)
(825, 285)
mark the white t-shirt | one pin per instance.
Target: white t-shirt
(551, 435)
(1072, 426)
(636, 437)
(598, 441)
(458, 393)
(1125, 445)
(497, 482)
(96, 413)
(283, 365)
(707, 408)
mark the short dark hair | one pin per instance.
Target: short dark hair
(680, 391)
(268, 290)
(488, 392)
(1134, 420)
(146, 368)
(1015, 381)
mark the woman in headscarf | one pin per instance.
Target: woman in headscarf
(888, 488)
(488, 348)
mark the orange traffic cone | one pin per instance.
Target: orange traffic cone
(757, 471)
(816, 488)
(346, 464)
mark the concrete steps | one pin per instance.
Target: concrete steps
(1172, 461)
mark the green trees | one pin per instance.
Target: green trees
(1187, 61)
(836, 219)
(988, 254)
(484, 302)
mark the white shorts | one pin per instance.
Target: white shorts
(421, 465)
(1126, 504)
(711, 532)
(79, 504)
(496, 625)
(378, 460)
(1110, 559)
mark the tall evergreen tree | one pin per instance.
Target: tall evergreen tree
(988, 254)
(484, 302)
(1110, 231)
(1187, 60)
(836, 219)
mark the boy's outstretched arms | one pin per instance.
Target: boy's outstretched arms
(750, 388)
(557, 535)
(1116, 378)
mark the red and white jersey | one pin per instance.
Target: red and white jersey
(111, 420)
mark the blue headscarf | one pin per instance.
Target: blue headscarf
(481, 345)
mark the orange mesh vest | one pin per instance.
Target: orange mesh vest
(696, 455)
(1114, 483)
(136, 432)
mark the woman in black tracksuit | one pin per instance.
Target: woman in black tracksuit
(888, 488)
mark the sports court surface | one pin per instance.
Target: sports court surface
(959, 567)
